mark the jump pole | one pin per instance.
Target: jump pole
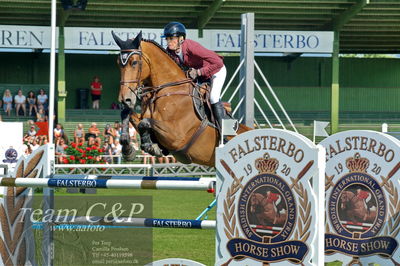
(134, 222)
(202, 184)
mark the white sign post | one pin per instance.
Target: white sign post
(267, 189)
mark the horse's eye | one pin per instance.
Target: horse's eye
(134, 63)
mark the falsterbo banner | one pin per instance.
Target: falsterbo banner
(79, 38)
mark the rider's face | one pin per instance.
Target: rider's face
(172, 43)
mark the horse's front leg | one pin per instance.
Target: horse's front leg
(128, 149)
(145, 127)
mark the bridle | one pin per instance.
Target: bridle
(141, 89)
(124, 59)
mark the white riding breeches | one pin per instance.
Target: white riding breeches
(217, 81)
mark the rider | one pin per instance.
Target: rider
(203, 63)
(365, 196)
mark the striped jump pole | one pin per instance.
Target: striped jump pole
(207, 184)
(125, 177)
(134, 222)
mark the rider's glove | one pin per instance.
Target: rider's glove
(193, 73)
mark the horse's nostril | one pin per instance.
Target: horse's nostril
(128, 101)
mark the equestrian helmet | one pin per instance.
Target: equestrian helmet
(174, 29)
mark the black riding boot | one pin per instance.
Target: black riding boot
(219, 113)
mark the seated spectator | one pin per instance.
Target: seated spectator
(58, 133)
(147, 158)
(117, 130)
(34, 144)
(107, 151)
(20, 101)
(116, 149)
(7, 101)
(133, 136)
(60, 151)
(42, 100)
(31, 134)
(79, 134)
(109, 134)
(40, 115)
(94, 135)
(31, 100)
(42, 140)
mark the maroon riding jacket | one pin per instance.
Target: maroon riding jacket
(198, 57)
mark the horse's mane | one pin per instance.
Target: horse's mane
(165, 51)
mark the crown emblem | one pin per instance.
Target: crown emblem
(357, 163)
(266, 164)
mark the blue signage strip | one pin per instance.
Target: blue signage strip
(81, 183)
(383, 245)
(294, 251)
(172, 223)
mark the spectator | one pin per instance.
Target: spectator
(7, 101)
(79, 134)
(40, 115)
(20, 101)
(34, 145)
(32, 102)
(116, 149)
(133, 136)
(94, 135)
(31, 134)
(58, 134)
(107, 151)
(60, 151)
(117, 129)
(42, 100)
(109, 134)
(95, 90)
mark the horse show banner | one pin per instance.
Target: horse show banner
(266, 206)
(362, 198)
(80, 38)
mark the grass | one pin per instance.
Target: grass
(193, 244)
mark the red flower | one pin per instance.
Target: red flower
(80, 150)
(82, 161)
(73, 145)
(88, 148)
(90, 157)
(72, 158)
(65, 161)
(80, 144)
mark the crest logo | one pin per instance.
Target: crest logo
(11, 156)
(362, 201)
(267, 214)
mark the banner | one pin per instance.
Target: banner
(80, 38)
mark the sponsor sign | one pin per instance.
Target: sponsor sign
(362, 198)
(266, 206)
(216, 40)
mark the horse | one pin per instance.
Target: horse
(355, 209)
(266, 212)
(168, 122)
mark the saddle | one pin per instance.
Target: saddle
(202, 105)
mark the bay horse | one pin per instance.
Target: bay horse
(168, 122)
(355, 208)
(265, 211)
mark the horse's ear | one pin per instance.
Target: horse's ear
(117, 40)
(137, 40)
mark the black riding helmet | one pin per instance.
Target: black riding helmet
(174, 29)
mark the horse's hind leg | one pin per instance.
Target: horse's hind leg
(145, 135)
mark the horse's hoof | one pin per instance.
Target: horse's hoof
(128, 153)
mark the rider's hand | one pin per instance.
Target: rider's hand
(193, 73)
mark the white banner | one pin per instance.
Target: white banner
(216, 40)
